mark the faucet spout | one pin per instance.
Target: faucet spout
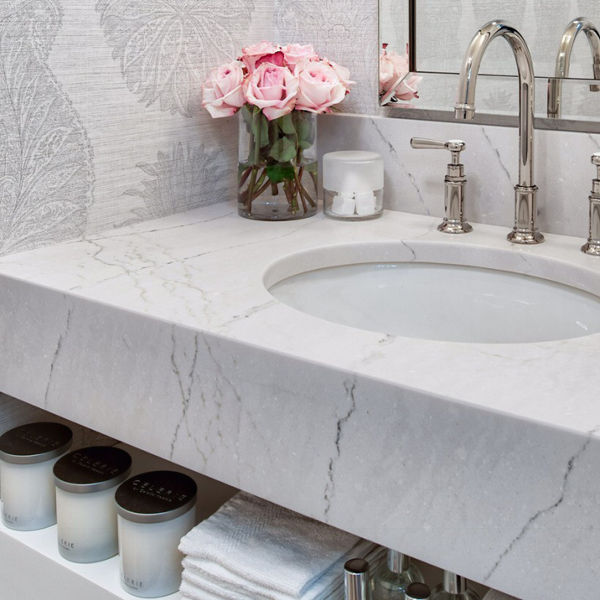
(524, 230)
(563, 61)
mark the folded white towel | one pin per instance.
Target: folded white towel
(258, 548)
(215, 578)
(496, 595)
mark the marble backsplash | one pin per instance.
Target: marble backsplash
(414, 180)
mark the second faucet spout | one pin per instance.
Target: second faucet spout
(524, 230)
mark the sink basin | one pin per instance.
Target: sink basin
(437, 300)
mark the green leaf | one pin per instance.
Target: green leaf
(260, 128)
(264, 131)
(286, 124)
(280, 172)
(306, 132)
(247, 114)
(283, 150)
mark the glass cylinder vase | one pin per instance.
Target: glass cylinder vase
(277, 171)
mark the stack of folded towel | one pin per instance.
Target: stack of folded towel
(254, 550)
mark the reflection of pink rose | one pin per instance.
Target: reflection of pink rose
(273, 89)
(252, 55)
(320, 87)
(222, 91)
(393, 66)
(298, 54)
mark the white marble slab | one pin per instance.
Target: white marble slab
(480, 458)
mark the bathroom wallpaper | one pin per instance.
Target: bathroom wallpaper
(100, 122)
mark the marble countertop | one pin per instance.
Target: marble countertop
(481, 458)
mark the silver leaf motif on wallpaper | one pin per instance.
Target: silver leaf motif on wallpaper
(166, 47)
(185, 178)
(46, 176)
(342, 30)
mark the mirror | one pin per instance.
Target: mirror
(426, 41)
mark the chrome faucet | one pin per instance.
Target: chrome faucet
(563, 61)
(524, 230)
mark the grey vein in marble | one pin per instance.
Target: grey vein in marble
(55, 356)
(540, 513)
(350, 389)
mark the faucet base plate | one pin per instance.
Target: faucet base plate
(592, 248)
(517, 236)
(449, 226)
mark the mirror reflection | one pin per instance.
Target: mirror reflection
(423, 44)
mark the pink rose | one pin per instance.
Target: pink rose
(319, 88)
(298, 54)
(254, 55)
(222, 93)
(392, 67)
(273, 89)
(343, 74)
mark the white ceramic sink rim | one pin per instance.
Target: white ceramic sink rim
(509, 261)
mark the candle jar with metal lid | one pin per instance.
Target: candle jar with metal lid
(86, 481)
(155, 510)
(27, 456)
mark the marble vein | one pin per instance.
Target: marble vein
(488, 139)
(350, 389)
(548, 509)
(394, 153)
(57, 351)
(185, 387)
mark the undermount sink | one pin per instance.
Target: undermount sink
(434, 292)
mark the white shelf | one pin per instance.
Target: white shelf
(32, 568)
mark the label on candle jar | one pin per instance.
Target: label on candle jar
(130, 582)
(9, 518)
(66, 544)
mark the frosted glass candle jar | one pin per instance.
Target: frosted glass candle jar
(353, 185)
(155, 510)
(86, 481)
(27, 455)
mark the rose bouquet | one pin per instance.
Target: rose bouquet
(394, 77)
(277, 91)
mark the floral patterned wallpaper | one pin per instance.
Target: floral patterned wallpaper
(100, 117)
(100, 122)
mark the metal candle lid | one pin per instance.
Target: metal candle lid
(156, 496)
(92, 469)
(35, 443)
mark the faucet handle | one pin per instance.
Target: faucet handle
(592, 246)
(454, 184)
(454, 146)
(596, 162)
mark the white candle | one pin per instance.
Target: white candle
(86, 481)
(156, 510)
(27, 456)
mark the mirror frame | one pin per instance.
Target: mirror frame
(395, 108)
